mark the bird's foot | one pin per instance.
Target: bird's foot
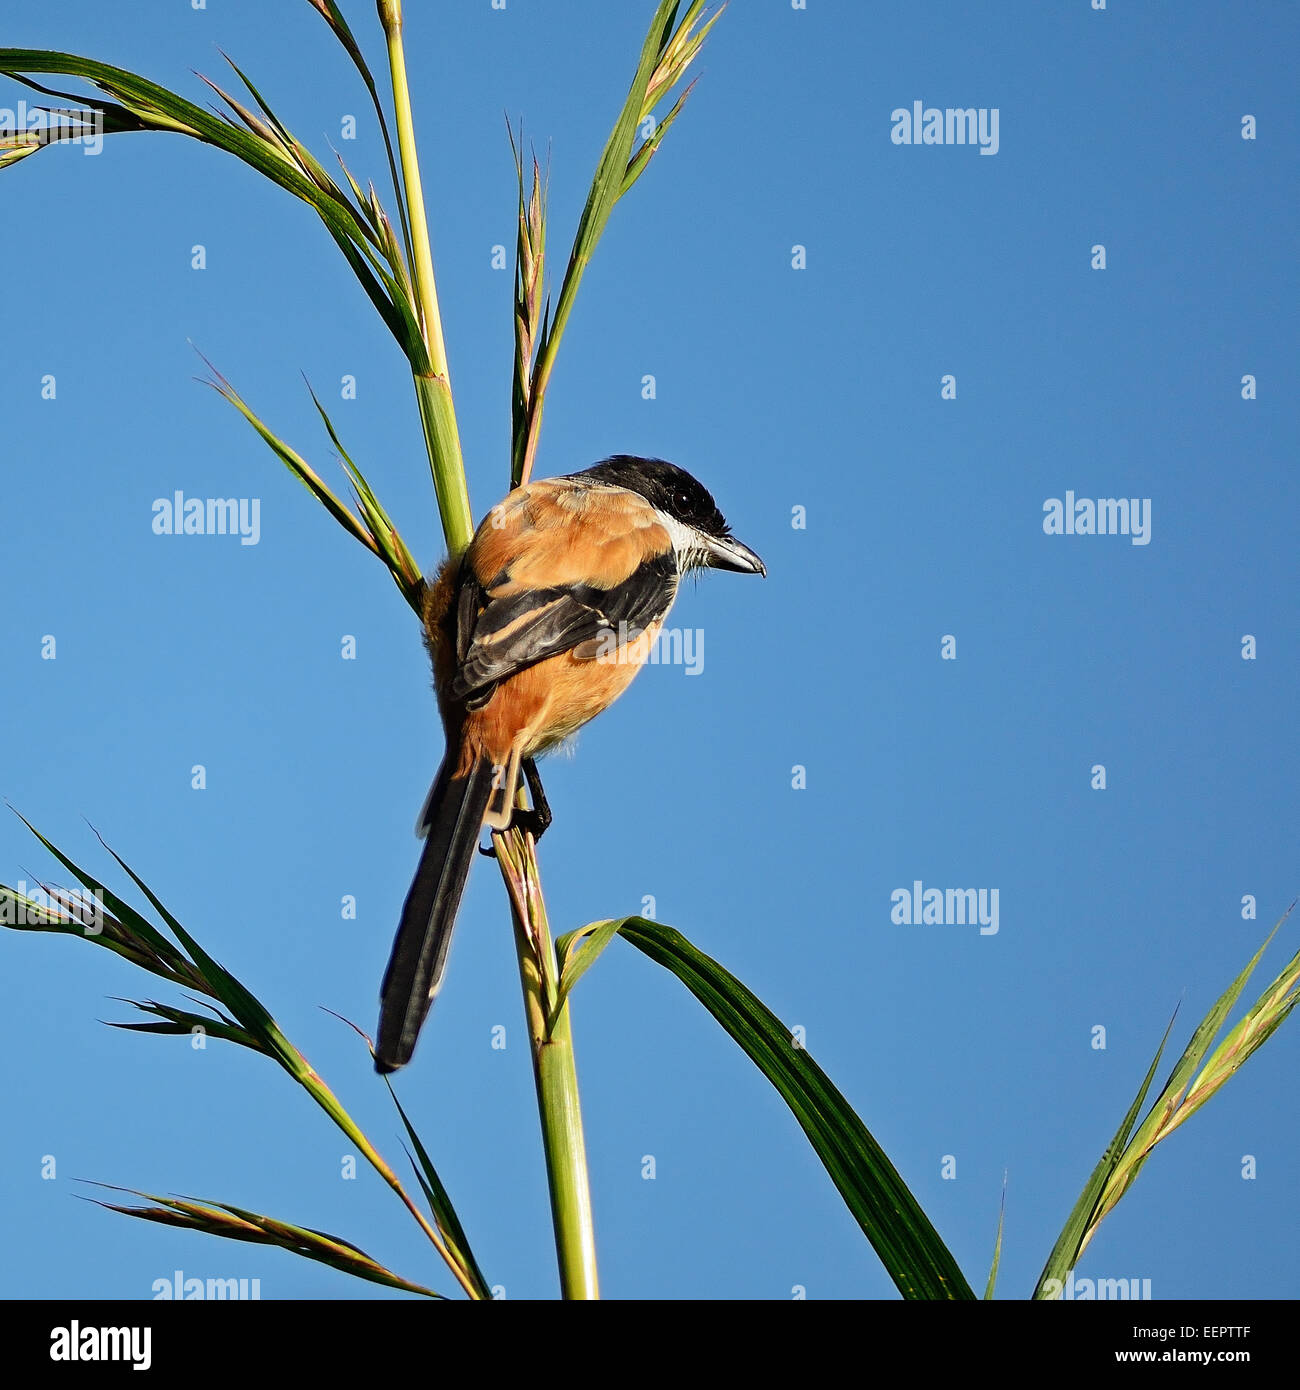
(534, 821)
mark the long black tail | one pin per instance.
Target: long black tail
(453, 818)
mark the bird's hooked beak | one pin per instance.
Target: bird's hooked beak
(727, 553)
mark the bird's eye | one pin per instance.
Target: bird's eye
(682, 500)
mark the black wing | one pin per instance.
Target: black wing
(499, 633)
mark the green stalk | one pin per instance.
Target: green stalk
(566, 1159)
(555, 1071)
(442, 440)
(432, 378)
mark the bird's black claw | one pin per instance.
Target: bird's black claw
(541, 813)
(532, 822)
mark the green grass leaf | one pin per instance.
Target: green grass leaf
(392, 549)
(668, 50)
(997, 1244)
(914, 1256)
(247, 1022)
(577, 952)
(374, 529)
(137, 104)
(237, 1223)
(333, 16)
(453, 1233)
(1069, 1242)
(122, 930)
(1179, 1098)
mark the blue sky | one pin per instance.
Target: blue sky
(818, 388)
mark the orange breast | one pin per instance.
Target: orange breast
(539, 707)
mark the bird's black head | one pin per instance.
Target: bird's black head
(701, 536)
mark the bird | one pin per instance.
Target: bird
(538, 626)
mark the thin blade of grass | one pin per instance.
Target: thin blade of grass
(997, 1244)
(333, 16)
(577, 951)
(158, 954)
(377, 533)
(186, 1023)
(251, 1025)
(1068, 1244)
(72, 917)
(444, 1213)
(396, 554)
(142, 105)
(911, 1250)
(236, 1223)
(1259, 1023)
(1174, 1104)
(637, 164)
(662, 55)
